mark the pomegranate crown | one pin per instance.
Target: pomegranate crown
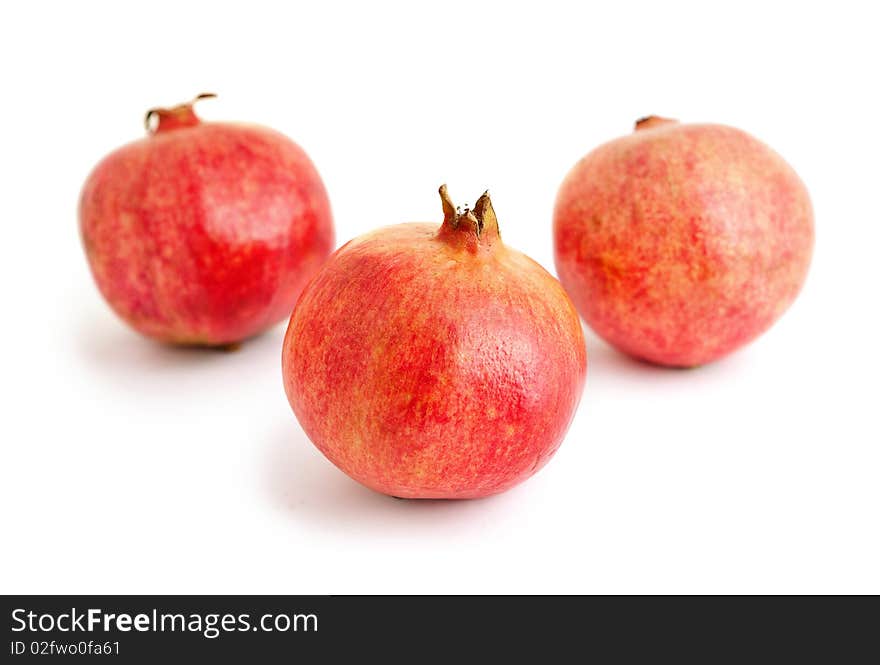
(652, 121)
(481, 219)
(162, 119)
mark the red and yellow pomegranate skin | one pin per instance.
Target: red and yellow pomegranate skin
(204, 233)
(681, 243)
(432, 363)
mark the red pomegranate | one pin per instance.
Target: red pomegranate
(204, 233)
(435, 363)
(681, 243)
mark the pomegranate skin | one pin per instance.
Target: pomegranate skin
(204, 233)
(681, 243)
(435, 364)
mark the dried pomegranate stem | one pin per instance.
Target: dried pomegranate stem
(650, 121)
(482, 217)
(450, 214)
(179, 110)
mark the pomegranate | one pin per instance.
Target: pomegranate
(682, 242)
(204, 233)
(435, 363)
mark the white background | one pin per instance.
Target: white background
(130, 467)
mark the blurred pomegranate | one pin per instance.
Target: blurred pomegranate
(204, 233)
(681, 243)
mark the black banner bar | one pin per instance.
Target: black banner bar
(413, 628)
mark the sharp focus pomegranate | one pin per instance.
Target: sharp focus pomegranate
(204, 233)
(681, 243)
(435, 363)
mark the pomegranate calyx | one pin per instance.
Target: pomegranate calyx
(479, 221)
(161, 119)
(651, 121)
